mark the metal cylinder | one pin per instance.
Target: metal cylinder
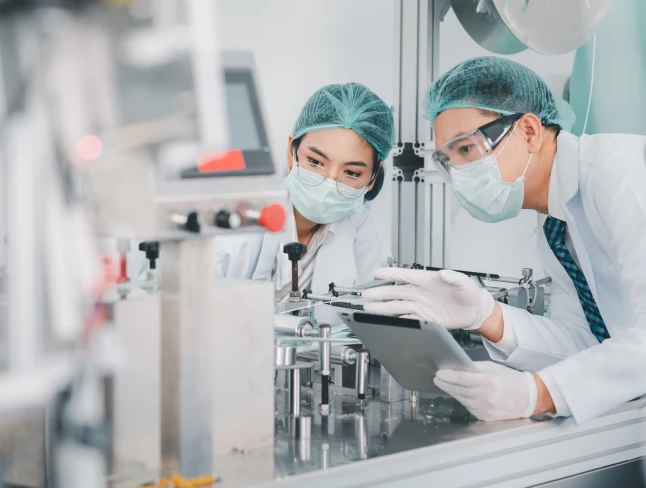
(295, 392)
(325, 349)
(414, 395)
(303, 433)
(339, 355)
(527, 272)
(284, 355)
(361, 436)
(325, 456)
(303, 427)
(361, 381)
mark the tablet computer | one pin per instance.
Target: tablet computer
(411, 350)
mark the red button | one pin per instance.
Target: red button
(213, 162)
(272, 217)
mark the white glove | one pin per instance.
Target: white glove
(496, 393)
(446, 297)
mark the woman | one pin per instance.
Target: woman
(335, 162)
(502, 141)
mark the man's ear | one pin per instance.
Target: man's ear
(532, 128)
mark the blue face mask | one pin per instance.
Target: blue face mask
(480, 190)
(321, 203)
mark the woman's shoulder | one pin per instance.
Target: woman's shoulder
(236, 243)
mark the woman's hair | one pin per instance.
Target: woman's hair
(377, 171)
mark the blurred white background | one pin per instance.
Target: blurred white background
(301, 45)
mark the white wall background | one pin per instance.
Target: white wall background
(301, 45)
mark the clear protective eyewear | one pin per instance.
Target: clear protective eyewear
(472, 146)
(347, 185)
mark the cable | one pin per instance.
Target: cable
(594, 57)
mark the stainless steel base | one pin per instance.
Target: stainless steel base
(435, 444)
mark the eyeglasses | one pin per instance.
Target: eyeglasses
(347, 185)
(472, 146)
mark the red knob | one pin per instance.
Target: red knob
(272, 217)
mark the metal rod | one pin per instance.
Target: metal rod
(361, 380)
(373, 284)
(294, 275)
(346, 291)
(487, 276)
(505, 279)
(148, 284)
(320, 298)
(316, 339)
(413, 396)
(295, 392)
(324, 360)
(325, 393)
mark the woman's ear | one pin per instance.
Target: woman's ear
(532, 129)
(290, 154)
(374, 180)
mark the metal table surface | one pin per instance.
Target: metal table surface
(436, 441)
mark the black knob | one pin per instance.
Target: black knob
(294, 250)
(192, 222)
(228, 220)
(151, 248)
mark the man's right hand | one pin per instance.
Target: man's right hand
(445, 297)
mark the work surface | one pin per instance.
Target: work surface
(436, 441)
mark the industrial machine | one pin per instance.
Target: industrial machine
(131, 124)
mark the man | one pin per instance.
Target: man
(502, 142)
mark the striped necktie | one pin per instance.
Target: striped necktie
(555, 233)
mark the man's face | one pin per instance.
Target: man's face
(455, 122)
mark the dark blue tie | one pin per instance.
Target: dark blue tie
(555, 234)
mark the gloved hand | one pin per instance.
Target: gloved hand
(446, 297)
(495, 393)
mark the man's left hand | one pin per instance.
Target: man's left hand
(495, 393)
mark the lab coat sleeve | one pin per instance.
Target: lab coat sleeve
(371, 245)
(236, 256)
(613, 372)
(544, 341)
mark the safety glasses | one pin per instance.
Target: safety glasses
(472, 146)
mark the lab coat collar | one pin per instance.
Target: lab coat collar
(566, 167)
(562, 204)
(273, 240)
(554, 203)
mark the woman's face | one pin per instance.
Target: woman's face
(338, 152)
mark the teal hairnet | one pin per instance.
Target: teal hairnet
(351, 106)
(498, 85)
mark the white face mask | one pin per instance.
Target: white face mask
(479, 188)
(321, 203)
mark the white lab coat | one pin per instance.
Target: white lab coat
(602, 185)
(349, 255)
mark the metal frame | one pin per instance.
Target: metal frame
(421, 202)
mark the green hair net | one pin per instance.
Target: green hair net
(498, 85)
(351, 106)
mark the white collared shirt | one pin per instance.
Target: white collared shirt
(282, 274)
